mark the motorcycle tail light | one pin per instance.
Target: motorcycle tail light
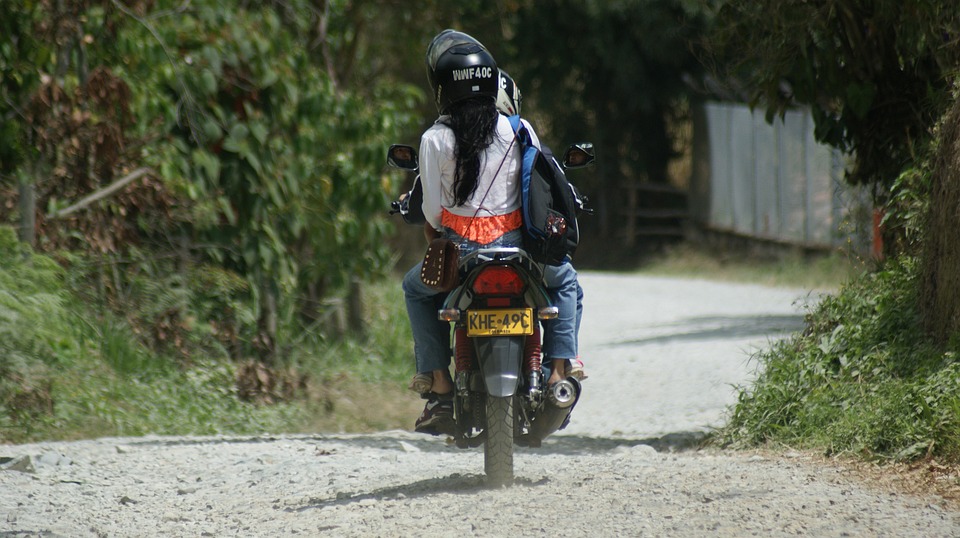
(498, 280)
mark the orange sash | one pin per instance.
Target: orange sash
(482, 230)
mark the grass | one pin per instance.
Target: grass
(822, 271)
(358, 383)
(67, 372)
(383, 354)
(860, 380)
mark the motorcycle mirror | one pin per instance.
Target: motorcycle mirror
(579, 156)
(403, 157)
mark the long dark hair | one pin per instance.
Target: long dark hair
(474, 124)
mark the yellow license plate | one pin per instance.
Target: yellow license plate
(511, 322)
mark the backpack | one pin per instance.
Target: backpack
(549, 203)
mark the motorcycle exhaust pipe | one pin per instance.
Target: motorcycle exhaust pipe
(562, 394)
(555, 413)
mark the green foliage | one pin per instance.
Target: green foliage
(383, 353)
(284, 168)
(584, 67)
(200, 400)
(19, 53)
(873, 73)
(164, 305)
(810, 272)
(264, 126)
(67, 372)
(71, 370)
(32, 347)
(861, 379)
(908, 207)
(29, 297)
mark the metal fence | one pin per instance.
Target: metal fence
(775, 182)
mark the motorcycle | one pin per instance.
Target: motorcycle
(500, 400)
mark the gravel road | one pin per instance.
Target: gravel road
(663, 356)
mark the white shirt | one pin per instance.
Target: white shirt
(438, 166)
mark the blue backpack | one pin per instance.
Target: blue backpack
(550, 232)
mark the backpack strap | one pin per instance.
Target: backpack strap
(520, 129)
(529, 158)
(514, 122)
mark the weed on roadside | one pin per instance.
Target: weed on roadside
(861, 379)
(792, 269)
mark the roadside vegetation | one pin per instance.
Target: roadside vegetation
(72, 369)
(198, 196)
(875, 373)
(868, 377)
(862, 379)
(193, 237)
(821, 271)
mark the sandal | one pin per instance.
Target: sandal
(575, 370)
(421, 383)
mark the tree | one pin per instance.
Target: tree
(268, 159)
(614, 73)
(286, 156)
(874, 72)
(877, 76)
(66, 112)
(940, 276)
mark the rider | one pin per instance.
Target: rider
(470, 169)
(560, 336)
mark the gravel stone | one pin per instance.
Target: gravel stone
(663, 356)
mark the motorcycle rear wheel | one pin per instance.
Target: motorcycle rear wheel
(498, 447)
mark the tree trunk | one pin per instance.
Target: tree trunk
(266, 342)
(355, 307)
(311, 301)
(28, 212)
(940, 284)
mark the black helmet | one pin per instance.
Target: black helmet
(459, 67)
(508, 96)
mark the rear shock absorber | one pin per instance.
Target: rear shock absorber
(532, 361)
(463, 350)
(463, 357)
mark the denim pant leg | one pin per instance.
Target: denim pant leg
(431, 336)
(560, 335)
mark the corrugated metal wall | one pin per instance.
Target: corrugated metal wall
(775, 182)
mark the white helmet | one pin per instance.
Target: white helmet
(508, 96)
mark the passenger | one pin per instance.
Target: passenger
(470, 174)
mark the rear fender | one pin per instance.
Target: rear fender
(462, 296)
(500, 359)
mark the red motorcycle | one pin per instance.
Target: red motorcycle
(499, 398)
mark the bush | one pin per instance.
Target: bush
(33, 344)
(862, 378)
(71, 368)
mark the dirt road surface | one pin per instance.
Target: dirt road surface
(663, 356)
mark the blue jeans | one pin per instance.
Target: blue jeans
(560, 335)
(431, 336)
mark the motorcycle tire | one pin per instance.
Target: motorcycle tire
(498, 446)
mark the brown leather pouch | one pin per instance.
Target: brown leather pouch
(439, 271)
